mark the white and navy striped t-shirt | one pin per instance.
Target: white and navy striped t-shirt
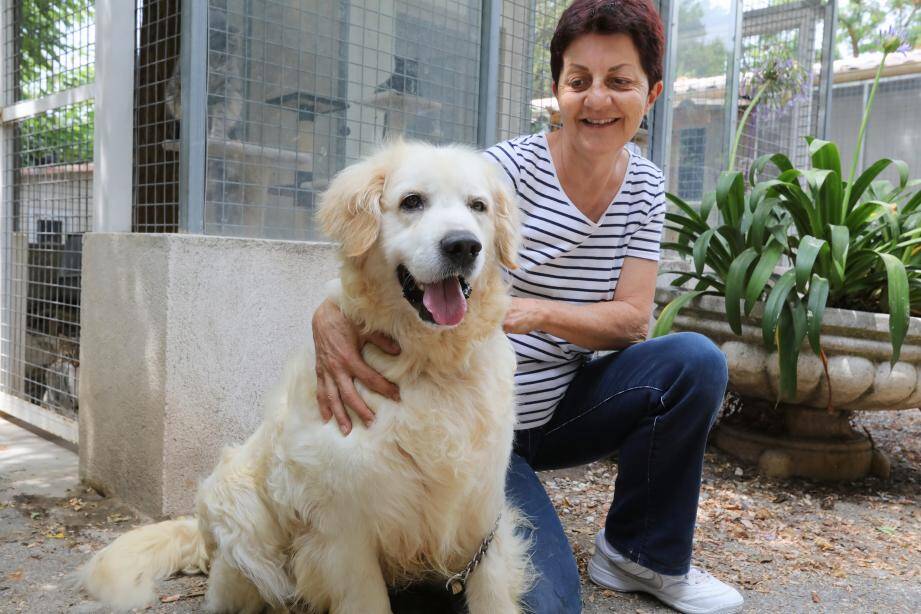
(565, 256)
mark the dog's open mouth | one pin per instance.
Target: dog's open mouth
(442, 302)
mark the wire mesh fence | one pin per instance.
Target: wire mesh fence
(50, 47)
(46, 204)
(295, 91)
(784, 30)
(156, 117)
(893, 130)
(701, 54)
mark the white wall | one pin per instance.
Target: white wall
(181, 337)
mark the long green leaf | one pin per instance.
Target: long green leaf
(866, 178)
(761, 274)
(730, 196)
(695, 226)
(711, 281)
(815, 309)
(831, 200)
(863, 213)
(909, 207)
(909, 243)
(897, 289)
(733, 237)
(688, 209)
(706, 206)
(791, 329)
(763, 210)
(779, 232)
(701, 247)
(840, 244)
(774, 305)
(735, 282)
(801, 206)
(666, 318)
(825, 155)
(902, 168)
(779, 160)
(763, 189)
(682, 249)
(809, 248)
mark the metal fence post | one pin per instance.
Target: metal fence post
(660, 136)
(193, 127)
(113, 116)
(489, 72)
(828, 63)
(732, 79)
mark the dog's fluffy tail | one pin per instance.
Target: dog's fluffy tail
(123, 573)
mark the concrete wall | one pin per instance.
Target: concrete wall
(181, 337)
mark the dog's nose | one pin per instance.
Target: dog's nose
(461, 247)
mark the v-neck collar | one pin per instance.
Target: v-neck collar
(545, 143)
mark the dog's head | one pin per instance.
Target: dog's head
(435, 216)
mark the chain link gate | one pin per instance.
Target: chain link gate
(46, 194)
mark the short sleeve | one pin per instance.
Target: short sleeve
(645, 241)
(504, 155)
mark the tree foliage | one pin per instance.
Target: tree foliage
(696, 56)
(546, 15)
(55, 53)
(859, 21)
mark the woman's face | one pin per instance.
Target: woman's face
(603, 92)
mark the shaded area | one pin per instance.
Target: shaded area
(790, 546)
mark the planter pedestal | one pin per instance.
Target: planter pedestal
(802, 438)
(812, 443)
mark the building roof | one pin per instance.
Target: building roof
(861, 68)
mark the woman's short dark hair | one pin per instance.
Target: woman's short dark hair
(637, 18)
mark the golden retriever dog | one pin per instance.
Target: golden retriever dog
(300, 515)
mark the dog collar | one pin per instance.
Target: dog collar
(458, 582)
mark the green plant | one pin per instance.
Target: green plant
(852, 243)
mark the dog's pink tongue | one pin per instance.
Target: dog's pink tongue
(445, 301)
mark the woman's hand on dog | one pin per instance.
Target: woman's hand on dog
(338, 346)
(523, 315)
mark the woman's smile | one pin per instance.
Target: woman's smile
(600, 122)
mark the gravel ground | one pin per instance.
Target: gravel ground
(792, 546)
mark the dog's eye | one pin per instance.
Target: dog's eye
(478, 205)
(411, 202)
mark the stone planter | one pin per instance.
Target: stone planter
(806, 439)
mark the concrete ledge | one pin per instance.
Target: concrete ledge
(181, 337)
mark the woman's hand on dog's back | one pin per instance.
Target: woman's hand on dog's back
(338, 344)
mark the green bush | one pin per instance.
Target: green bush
(852, 243)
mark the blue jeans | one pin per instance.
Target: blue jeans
(654, 404)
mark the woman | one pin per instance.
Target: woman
(592, 220)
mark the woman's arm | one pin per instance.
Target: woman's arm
(338, 344)
(607, 325)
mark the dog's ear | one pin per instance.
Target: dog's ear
(507, 228)
(350, 209)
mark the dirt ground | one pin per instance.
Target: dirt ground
(792, 546)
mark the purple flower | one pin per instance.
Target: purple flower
(784, 81)
(894, 39)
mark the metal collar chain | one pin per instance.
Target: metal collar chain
(458, 581)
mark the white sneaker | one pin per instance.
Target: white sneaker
(696, 592)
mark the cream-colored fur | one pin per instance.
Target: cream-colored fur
(299, 513)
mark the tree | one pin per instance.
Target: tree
(696, 56)
(859, 21)
(52, 57)
(547, 13)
